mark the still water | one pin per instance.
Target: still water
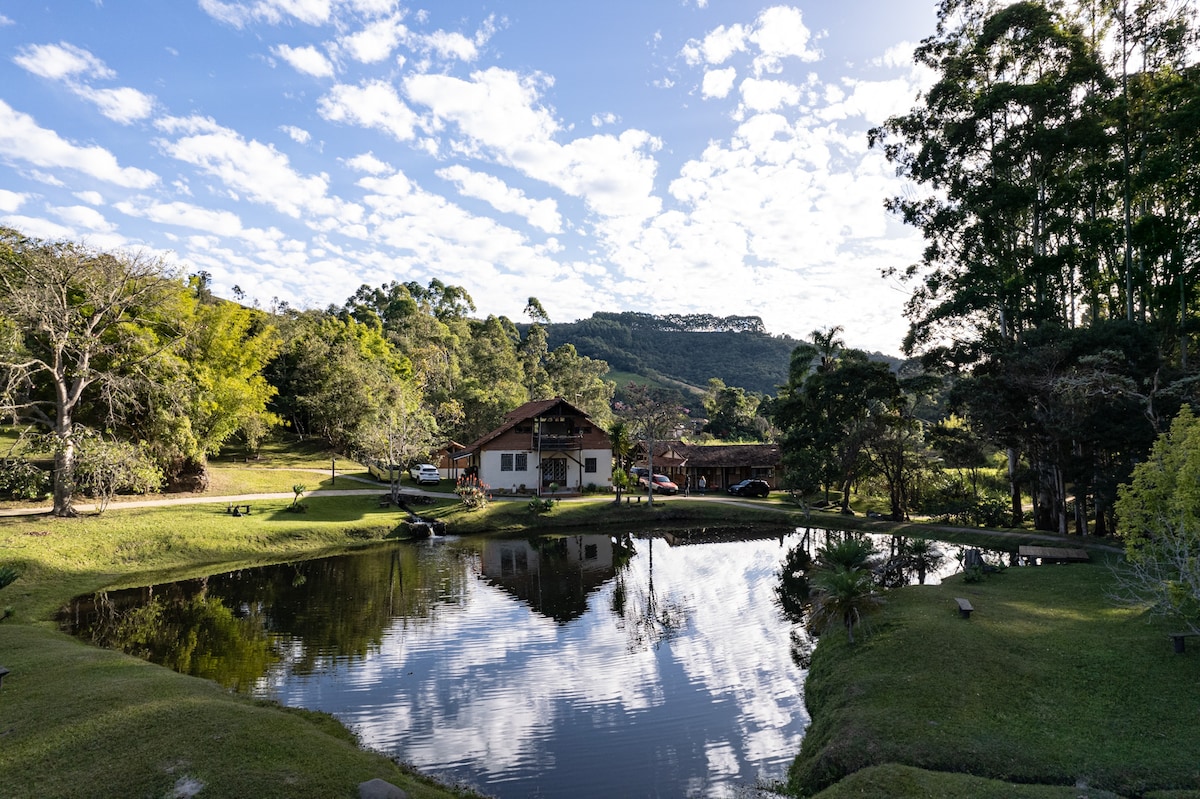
(577, 665)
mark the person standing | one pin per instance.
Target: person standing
(703, 484)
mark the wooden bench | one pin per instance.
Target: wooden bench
(1178, 639)
(964, 607)
(238, 510)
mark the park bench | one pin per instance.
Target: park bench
(1178, 639)
(964, 607)
(237, 510)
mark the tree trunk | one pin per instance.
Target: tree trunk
(64, 468)
(1018, 514)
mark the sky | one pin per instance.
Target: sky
(661, 156)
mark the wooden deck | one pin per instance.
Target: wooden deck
(1054, 554)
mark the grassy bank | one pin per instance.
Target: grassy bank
(78, 721)
(1047, 683)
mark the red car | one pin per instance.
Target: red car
(662, 484)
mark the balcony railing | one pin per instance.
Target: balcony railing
(546, 442)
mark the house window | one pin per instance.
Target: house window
(506, 462)
(521, 462)
(589, 465)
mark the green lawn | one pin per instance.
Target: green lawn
(78, 721)
(1048, 682)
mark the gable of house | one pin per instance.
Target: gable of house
(541, 444)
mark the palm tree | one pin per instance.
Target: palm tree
(842, 596)
(849, 554)
(922, 555)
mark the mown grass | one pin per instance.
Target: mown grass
(230, 479)
(84, 722)
(78, 721)
(905, 782)
(514, 515)
(1047, 683)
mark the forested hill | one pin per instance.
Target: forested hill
(690, 348)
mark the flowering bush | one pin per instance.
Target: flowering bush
(473, 492)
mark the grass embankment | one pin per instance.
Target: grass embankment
(78, 721)
(1048, 682)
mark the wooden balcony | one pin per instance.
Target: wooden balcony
(559, 443)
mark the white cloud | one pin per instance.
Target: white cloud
(768, 95)
(220, 223)
(122, 105)
(607, 118)
(21, 139)
(298, 135)
(81, 216)
(718, 82)
(255, 170)
(90, 197)
(499, 112)
(307, 59)
(68, 63)
(376, 41)
(11, 200)
(367, 162)
(718, 46)
(59, 61)
(374, 104)
(5, 21)
(39, 227)
(451, 45)
(272, 12)
(780, 33)
(542, 214)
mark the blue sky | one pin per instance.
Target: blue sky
(674, 156)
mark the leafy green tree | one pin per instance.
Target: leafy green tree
(1160, 515)
(828, 416)
(733, 414)
(580, 381)
(621, 437)
(491, 383)
(226, 350)
(81, 329)
(334, 375)
(105, 467)
(999, 137)
(652, 417)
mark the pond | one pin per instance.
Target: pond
(574, 665)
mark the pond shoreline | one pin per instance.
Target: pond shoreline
(162, 717)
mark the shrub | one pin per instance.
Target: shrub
(473, 492)
(20, 479)
(541, 504)
(8, 574)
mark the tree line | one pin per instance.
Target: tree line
(132, 375)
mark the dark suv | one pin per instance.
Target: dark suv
(750, 488)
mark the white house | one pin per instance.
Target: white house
(541, 443)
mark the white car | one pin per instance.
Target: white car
(425, 473)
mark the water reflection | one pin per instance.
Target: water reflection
(570, 665)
